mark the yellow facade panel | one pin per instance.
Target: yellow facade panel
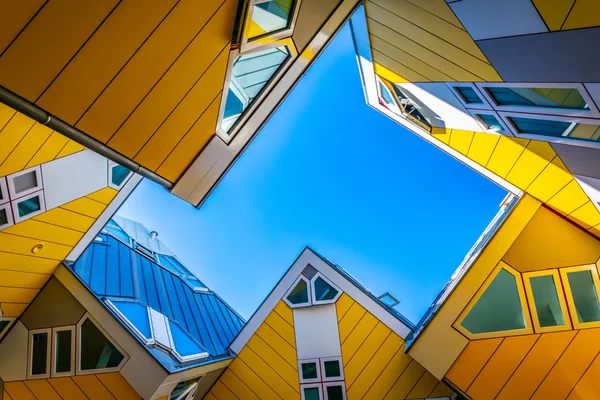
(13, 310)
(46, 232)
(92, 387)
(251, 379)
(19, 279)
(461, 140)
(571, 366)
(13, 133)
(441, 134)
(41, 389)
(342, 305)
(505, 155)
(389, 376)
(535, 158)
(365, 352)
(104, 196)
(584, 14)
(471, 361)
(552, 179)
(48, 43)
(71, 147)
(535, 366)
(271, 357)
(282, 328)
(392, 70)
(191, 144)
(440, 9)
(209, 45)
(18, 391)
(24, 245)
(16, 294)
(236, 386)
(49, 150)
(25, 150)
(221, 392)
(406, 381)
(68, 219)
(554, 12)
(27, 263)
(441, 390)
(374, 372)
(118, 386)
(569, 198)
(423, 387)
(357, 337)
(587, 387)
(501, 366)
(283, 348)
(268, 375)
(384, 72)
(350, 320)
(587, 215)
(67, 389)
(99, 61)
(7, 396)
(415, 15)
(146, 68)
(482, 147)
(85, 206)
(14, 15)
(6, 113)
(285, 312)
(179, 122)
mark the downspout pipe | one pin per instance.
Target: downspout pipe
(43, 117)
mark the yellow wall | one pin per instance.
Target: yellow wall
(143, 80)
(23, 273)
(423, 41)
(375, 364)
(111, 386)
(569, 14)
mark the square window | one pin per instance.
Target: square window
(22, 183)
(335, 392)
(332, 369)
(28, 206)
(469, 95)
(312, 391)
(3, 217)
(118, 174)
(309, 371)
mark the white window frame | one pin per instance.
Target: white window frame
(47, 331)
(55, 331)
(15, 207)
(111, 164)
(336, 383)
(312, 290)
(4, 191)
(505, 129)
(246, 44)
(160, 332)
(79, 342)
(336, 378)
(381, 84)
(190, 392)
(483, 106)
(551, 139)
(179, 357)
(11, 186)
(9, 216)
(308, 361)
(128, 323)
(311, 385)
(592, 113)
(309, 295)
(11, 321)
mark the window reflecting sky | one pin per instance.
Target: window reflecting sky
(330, 172)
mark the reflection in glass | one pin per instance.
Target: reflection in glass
(490, 122)
(323, 290)
(251, 73)
(269, 17)
(137, 314)
(564, 98)
(546, 301)
(309, 370)
(585, 296)
(566, 129)
(468, 94)
(97, 352)
(299, 294)
(184, 344)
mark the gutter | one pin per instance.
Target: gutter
(43, 117)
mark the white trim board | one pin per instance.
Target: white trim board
(309, 257)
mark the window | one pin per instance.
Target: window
(115, 230)
(581, 287)
(335, 391)
(183, 346)
(117, 174)
(64, 351)
(175, 267)
(568, 98)
(185, 390)
(322, 378)
(323, 291)
(309, 371)
(145, 251)
(250, 74)
(298, 294)
(332, 369)
(39, 353)
(136, 317)
(3, 191)
(568, 128)
(4, 324)
(315, 290)
(497, 309)
(389, 300)
(546, 301)
(96, 351)
(311, 392)
(490, 121)
(6, 219)
(468, 94)
(268, 17)
(386, 97)
(28, 206)
(24, 182)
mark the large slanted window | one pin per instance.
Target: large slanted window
(183, 346)
(96, 351)
(567, 129)
(582, 287)
(136, 316)
(569, 98)
(546, 301)
(498, 308)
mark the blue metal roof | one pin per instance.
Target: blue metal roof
(113, 270)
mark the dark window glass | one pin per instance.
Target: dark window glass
(97, 351)
(335, 392)
(332, 369)
(563, 98)
(3, 217)
(585, 296)
(309, 371)
(137, 314)
(490, 122)
(3, 326)
(311, 394)
(39, 353)
(63, 351)
(499, 307)
(299, 294)
(29, 206)
(469, 95)
(119, 173)
(184, 388)
(323, 290)
(540, 126)
(546, 301)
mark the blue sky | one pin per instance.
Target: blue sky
(329, 172)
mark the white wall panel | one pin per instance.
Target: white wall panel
(13, 354)
(74, 176)
(486, 19)
(317, 333)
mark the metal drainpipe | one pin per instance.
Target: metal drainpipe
(34, 112)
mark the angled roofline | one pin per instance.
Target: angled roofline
(394, 320)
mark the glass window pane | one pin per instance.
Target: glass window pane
(498, 308)
(137, 314)
(3, 217)
(323, 290)
(309, 370)
(29, 206)
(546, 301)
(251, 73)
(332, 369)
(184, 344)
(564, 98)
(3, 326)
(335, 392)
(490, 122)
(117, 232)
(469, 95)
(311, 393)
(96, 350)
(386, 95)
(63, 351)
(39, 353)
(540, 126)
(299, 294)
(269, 17)
(584, 296)
(183, 388)
(119, 173)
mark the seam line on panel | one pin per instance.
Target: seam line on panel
(24, 28)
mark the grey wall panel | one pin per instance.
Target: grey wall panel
(54, 306)
(312, 15)
(580, 160)
(567, 56)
